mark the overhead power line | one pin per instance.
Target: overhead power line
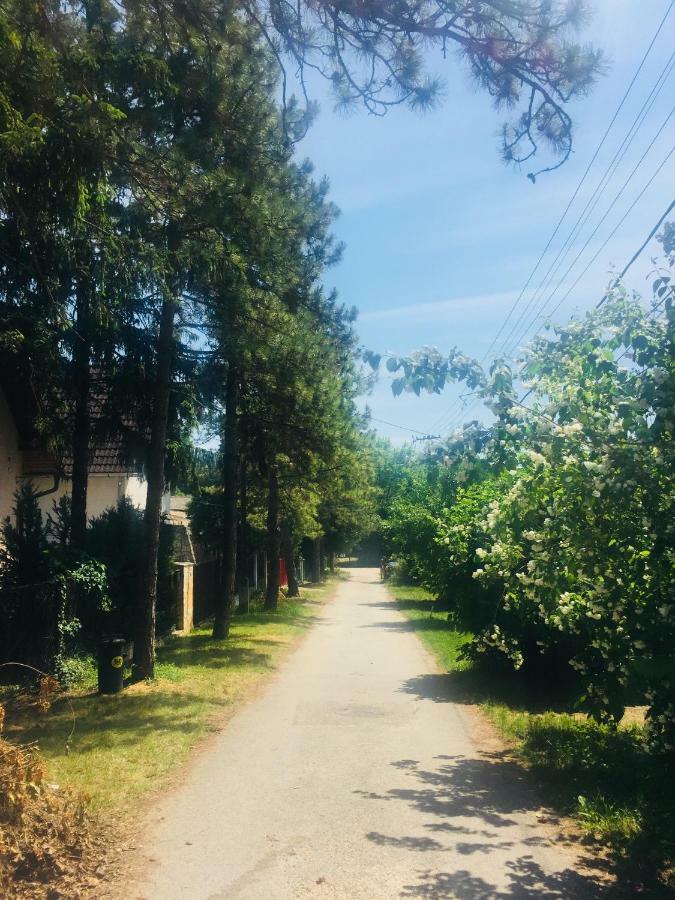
(655, 307)
(394, 425)
(593, 200)
(608, 238)
(633, 258)
(641, 248)
(443, 421)
(539, 313)
(583, 177)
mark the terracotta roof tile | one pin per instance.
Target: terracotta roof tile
(108, 454)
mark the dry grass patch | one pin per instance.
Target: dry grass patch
(45, 833)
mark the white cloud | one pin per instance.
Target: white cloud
(421, 312)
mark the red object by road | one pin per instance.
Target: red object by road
(283, 576)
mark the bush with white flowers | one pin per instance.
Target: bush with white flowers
(570, 523)
(583, 543)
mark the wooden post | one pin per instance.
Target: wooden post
(263, 571)
(185, 598)
(254, 570)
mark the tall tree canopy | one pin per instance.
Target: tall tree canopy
(161, 250)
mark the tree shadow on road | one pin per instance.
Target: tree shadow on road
(527, 879)
(604, 776)
(487, 810)
(424, 624)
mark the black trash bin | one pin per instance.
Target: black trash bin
(111, 665)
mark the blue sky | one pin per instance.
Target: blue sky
(441, 236)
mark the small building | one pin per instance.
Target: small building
(23, 458)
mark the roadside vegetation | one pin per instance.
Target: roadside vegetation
(74, 762)
(163, 249)
(162, 255)
(163, 252)
(118, 748)
(601, 776)
(545, 541)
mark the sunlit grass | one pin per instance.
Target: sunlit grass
(432, 627)
(126, 745)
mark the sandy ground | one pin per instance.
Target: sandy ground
(352, 775)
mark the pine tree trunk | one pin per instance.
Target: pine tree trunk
(82, 424)
(225, 599)
(82, 380)
(243, 556)
(316, 560)
(289, 556)
(273, 542)
(144, 645)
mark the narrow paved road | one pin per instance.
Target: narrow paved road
(352, 776)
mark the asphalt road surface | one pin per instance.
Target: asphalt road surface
(353, 774)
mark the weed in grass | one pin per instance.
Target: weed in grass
(603, 819)
(79, 672)
(169, 671)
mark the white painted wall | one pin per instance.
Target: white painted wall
(103, 491)
(10, 459)
(136, 489)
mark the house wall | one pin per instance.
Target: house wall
(10, 459)
(103, 491)
(136, 490)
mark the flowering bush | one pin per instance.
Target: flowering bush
(583, 540)
(569, 525)
(461, 529)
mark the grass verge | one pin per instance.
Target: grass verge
(127, 745)
(600, 776)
